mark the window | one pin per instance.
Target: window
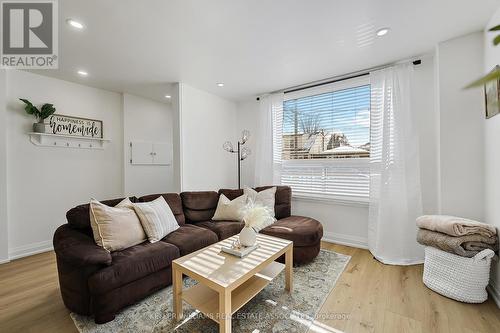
(325, 140)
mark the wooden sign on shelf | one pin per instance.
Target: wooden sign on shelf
(75, 126)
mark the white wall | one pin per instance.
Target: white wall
(177, 139)
(247, 120)
(492, 152)
(423, 106)
(151, 121)
(44, 182)
(461, 113)
(206, 122)
(342, 223)
(4, 247)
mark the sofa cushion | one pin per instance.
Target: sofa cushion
(173, 200)
(79, 216)
(303, 231)
(223, 229)
(230, 193)
(282, 199)
(189, 238)
(132, 264)
(199, 206)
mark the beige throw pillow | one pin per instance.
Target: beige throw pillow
(265, 198)
(156, 218)
(115, 228)
(230, 210)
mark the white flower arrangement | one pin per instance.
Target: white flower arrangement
(257, 216)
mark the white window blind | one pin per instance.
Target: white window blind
(323, 136)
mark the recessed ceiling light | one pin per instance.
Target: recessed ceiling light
(74, 24)
(382, 31)
(220, 84)
(168, 96)
(82, 73)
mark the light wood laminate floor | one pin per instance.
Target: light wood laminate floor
(368, 297)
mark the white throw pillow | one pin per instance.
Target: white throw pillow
(156, 218)
(265, 198)
(115, 228)
(230, 210)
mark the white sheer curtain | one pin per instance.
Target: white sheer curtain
(268, 140)
(395, 194)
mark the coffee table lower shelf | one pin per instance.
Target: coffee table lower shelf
(206, 300)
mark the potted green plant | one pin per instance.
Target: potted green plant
(40, 114)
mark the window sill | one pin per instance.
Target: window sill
(346, 201)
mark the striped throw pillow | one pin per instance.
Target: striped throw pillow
(156, 218)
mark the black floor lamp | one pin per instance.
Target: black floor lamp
(242, 152)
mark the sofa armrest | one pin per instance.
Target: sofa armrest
(79, 249)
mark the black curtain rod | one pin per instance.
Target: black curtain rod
(415, 62)
(324, 83)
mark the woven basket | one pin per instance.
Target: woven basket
(460, 278)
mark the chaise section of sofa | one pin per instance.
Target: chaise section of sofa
(305, 232)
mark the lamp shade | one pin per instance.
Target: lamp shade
(244, 136)
(228, 146)
(245, 152)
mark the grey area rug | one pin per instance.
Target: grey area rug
(272, 310)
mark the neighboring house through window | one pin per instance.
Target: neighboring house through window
(325, 140)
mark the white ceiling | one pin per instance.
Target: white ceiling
(253, 46)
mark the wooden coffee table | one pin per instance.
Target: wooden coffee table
(226, 282)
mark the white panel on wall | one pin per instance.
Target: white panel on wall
(162, 153)
(150, 153)
(141, 153)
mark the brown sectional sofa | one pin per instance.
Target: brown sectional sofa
(94, 281)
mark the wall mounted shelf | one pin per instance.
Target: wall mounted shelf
(66, 141)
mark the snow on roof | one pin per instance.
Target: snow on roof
(344, 150)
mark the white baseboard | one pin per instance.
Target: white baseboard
(30, 249)
(348, 240)
(495, 293)
(4, 261)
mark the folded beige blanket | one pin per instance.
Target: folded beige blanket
(465, 246)
(455, 226)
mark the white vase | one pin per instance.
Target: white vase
(247, 236)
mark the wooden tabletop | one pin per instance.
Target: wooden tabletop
(225, 270)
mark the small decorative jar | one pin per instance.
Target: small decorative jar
(41, 127)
